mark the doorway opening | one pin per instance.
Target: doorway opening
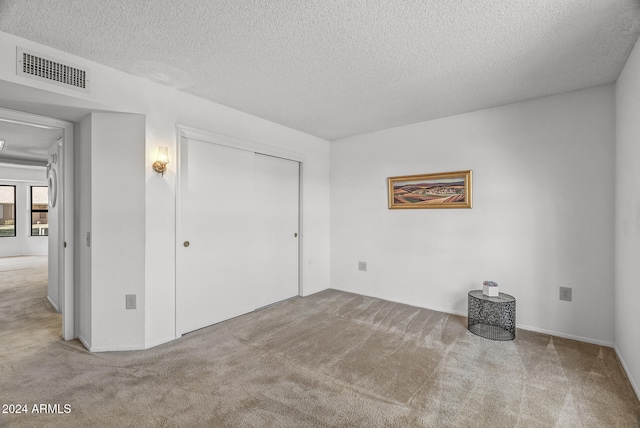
(37, 160)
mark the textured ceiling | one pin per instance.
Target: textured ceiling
(335, 68)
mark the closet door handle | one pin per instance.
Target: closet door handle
(295, 235)
(186, 243)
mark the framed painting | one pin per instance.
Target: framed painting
(443, 190)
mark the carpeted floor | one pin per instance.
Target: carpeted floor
(333, 359)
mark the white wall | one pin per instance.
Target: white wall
(542, 216)
(23, 244)
(627, 231)
(164, 108)
(117, 230)
(82, 255)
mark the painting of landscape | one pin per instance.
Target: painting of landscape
(443, 190)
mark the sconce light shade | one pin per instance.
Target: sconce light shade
(160, 165)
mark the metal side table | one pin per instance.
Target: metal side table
(492, 317)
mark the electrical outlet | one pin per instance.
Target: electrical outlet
(131, 301)
(362, 266)
(565, 293)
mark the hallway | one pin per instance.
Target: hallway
(28, 322)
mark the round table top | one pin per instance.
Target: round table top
(500, 298)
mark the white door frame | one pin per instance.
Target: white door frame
(66, 247)
(183, 131)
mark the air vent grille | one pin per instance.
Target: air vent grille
(50, 70)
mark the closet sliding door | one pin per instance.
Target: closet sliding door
(237, 233)
(276, 216)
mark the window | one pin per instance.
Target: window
(7, 211)
(39, 211)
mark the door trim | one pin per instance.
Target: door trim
(237, 143)
(184, 131)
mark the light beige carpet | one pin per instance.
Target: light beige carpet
(333, 359)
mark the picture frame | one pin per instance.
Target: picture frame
(441, 190)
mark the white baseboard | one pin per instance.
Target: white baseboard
(84, 342)
(464, 314)
(107, 349)
(566, 336)
(391, 299)
(634, 385)
(302, 294)
(53, 305)
(115, 348)
(162, 341)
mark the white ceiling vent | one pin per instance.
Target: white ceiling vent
(40, 67)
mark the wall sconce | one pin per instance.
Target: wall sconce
(160, 165)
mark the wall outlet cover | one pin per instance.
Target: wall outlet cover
(565, 293)
(130, 301)
(362, 266)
